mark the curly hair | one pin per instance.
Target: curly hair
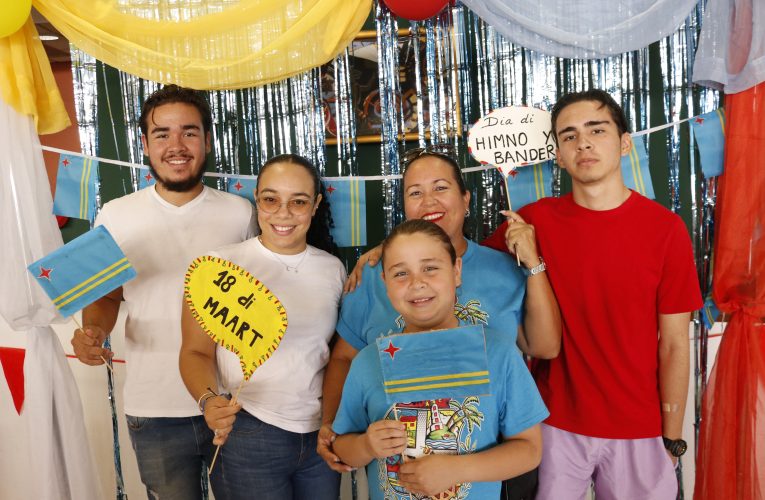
(318, 234)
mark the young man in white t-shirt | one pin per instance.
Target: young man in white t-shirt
(161, 229)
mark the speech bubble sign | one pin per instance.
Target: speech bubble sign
(236, 310)
(511, 137)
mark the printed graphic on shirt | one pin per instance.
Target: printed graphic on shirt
(442, 426)
(469, 313)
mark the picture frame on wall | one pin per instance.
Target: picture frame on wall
(363, 62)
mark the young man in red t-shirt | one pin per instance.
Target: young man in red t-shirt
(622, 269)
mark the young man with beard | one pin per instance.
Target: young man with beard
(622, 269)
(161, 229)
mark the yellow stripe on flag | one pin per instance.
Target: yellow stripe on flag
(86, 166)
(88, 281)
(721, 115)
(637, 174)
(431, 378)
(708, 312)
(94, 285)
(437, 386)
(539, 181)
(354, 187)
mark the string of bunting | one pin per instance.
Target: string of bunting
(77, 179)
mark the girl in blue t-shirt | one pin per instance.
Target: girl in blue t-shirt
(448, 444)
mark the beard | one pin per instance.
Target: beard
(179, 186)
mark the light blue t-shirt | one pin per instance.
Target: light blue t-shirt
(449, 426)
(492, 292)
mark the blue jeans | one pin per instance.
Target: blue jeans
(172, 454)
(268, 463)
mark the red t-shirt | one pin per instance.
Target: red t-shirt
(613, 273)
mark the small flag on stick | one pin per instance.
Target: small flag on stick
(83, 270)
(434, 365)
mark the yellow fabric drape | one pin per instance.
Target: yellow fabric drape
(213, 44)
(27, 82)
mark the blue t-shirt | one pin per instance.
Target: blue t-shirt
(491, 294)
(448, 426)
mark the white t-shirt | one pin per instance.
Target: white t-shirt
(285, 391)
(160, 240)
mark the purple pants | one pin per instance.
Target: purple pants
(619, 469)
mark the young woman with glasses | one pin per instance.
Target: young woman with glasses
(495, 290)
(270, 432)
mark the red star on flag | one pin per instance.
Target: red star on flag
(238, 185)
(65, 162)
(331, 189)
(391, 349)
(699, 120)
(44, 273)
(148, 177)
(513, 173)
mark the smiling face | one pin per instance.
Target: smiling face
(590, 146)
(292, 187)
(176, 145)
(432, 193)
(421, 281)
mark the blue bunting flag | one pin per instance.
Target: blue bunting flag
(76, 187)
(348, 202)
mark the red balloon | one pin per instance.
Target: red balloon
(416, 10)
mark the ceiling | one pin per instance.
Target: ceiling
(57, 50)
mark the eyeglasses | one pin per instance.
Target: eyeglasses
(296, 206)
(443, 150)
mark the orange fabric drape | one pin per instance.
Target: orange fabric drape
(731, 456)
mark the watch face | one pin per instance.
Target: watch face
(678, 447)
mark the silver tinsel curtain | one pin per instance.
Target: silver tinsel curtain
(455, 68)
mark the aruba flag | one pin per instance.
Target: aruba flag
(145, 178)
(434, 365)
(348, 202)
(83, 270)
(709, 132)
(709, 313)
(243, 187)
(635, 169)
(76, 187)
(528, 184)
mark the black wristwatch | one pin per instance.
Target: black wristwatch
(676, 447)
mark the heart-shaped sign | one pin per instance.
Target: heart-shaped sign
(235, 309)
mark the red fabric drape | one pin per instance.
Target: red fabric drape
(731, 455)
(12, 360)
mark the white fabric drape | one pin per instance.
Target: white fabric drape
(52, 410)
(583, 29)
(731, 53)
